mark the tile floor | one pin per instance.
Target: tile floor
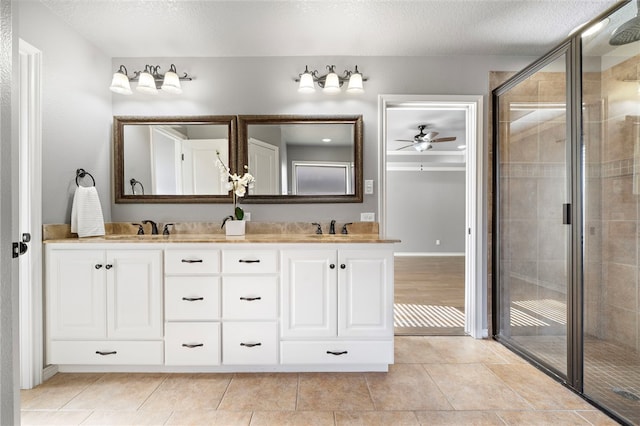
(434, 381)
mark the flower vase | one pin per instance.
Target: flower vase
(235, 227)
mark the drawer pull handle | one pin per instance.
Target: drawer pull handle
(249, 261)
(192, 345)
(103, 353)
(337, 353)
(98, 266)
(192, 299)
(250, 345)
(191, 260)
(251, 299)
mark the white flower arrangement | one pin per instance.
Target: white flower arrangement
(237, 184)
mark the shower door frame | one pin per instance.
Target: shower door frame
(572, 47)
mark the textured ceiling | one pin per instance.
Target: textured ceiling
(211, 28)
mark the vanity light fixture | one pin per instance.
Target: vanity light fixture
(149, 80)
(330, 82)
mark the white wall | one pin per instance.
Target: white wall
(76, 116)
(425, 206)
(78, 110)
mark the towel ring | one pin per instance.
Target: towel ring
(81, 173)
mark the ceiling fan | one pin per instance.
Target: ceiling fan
(422, 141)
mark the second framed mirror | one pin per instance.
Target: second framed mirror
(302, 159)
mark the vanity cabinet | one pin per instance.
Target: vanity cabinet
(219, 306)
(337, 307)
(104, 306)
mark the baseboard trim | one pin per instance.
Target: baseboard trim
(48, 372)
(426, 254)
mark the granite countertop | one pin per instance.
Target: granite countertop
(195, 232)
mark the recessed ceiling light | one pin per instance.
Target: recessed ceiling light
(326, 140)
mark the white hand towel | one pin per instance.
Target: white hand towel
(86, 212)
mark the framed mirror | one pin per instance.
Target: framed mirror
(302, 159)
(173, 159)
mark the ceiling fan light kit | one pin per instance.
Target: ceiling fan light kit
(423, 141)
(330, 82)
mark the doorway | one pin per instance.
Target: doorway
(411, 178)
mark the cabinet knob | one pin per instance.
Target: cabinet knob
(192, 345)
(98, 266)
(108, 266)
(192, 299)
(103, 353)
(250, 345)
(343, 266)
(337, 353)
(332, 266)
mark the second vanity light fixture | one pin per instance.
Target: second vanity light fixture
(330, 82)
(149, 80)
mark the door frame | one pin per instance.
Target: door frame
(30, 215)
(476, 320)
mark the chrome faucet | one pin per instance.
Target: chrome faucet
(332, 227)
(154, 226)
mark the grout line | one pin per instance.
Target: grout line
(153, 391)
(226, 389)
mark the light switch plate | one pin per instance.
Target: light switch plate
(368, 186)
(367, 217)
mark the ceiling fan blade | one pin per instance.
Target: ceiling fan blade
(405, 147)
(430, 135)
(447, 139)
(404, 140)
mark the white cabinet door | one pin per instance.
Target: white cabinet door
(76, 294)
(134, 294)
(309, 293)
(365, 293)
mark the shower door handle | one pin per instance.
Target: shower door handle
(566, 214)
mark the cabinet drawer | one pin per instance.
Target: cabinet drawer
(195, 261)
(249, 261)
(192, 298)
(190, 343)
(105, 352)
(249, 343)
(249, 297)
(338, 352)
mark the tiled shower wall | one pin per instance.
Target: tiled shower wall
(612, 294)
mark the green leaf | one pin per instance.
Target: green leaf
(239, 213)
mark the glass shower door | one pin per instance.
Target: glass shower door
(533, 189)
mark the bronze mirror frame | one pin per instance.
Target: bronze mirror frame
(118, 168)
(244, 121)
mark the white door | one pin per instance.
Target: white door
(264, 166)
(134, 294)
(200, 172)
(365, 293)
(75, 294)
(30, 216)
(309, 293)
(166, 161)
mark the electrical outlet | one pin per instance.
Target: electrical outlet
(247, 216)
(367, 217)
(368, 186)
